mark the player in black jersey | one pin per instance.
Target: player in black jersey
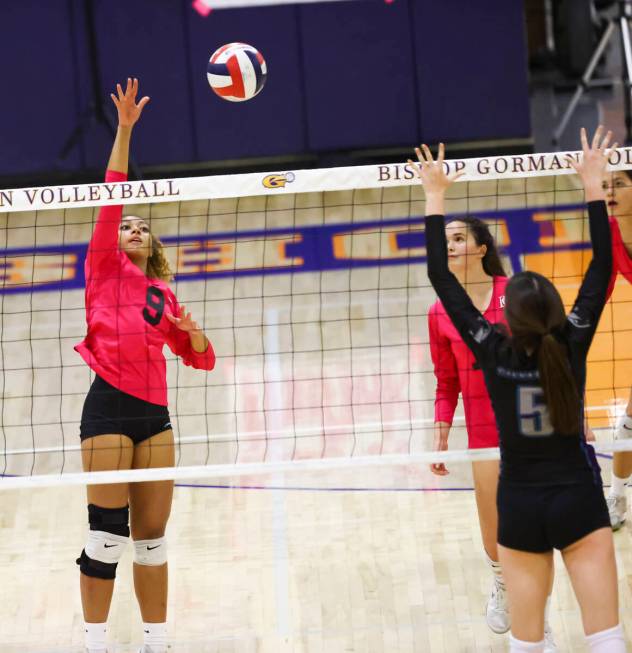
(550, 491)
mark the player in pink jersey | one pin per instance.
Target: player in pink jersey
(619, 200)
(473, 258)
(131, 314)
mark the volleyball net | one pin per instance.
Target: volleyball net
(311, 286)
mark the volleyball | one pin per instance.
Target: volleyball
(236, 72)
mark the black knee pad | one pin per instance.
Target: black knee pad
(110, 520)
(108, 537)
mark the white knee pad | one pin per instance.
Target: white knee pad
(150, 552)
(101, 554)
(607, 641)
(518, 646)
(105, 547)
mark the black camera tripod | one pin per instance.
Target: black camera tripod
(622, 21)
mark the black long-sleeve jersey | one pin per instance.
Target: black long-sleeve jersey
(531, 452)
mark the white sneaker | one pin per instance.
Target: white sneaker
(549, 640)
(496, 612)
(624, 428)
(617, 509)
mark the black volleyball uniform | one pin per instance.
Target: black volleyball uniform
(550, 491)
(108, 410)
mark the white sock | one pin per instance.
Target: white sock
(607, 641)
(518, 646)
(496, 570)
(155, 637)
(96, 637)
(617, 486)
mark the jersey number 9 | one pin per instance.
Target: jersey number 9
(155, 306)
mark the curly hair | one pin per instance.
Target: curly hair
(157, 264)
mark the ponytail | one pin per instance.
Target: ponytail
(558, 384)
(534, 313)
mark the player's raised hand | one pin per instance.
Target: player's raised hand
(592, 164)
(432, 173)
(125, 101)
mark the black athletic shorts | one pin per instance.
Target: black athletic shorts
(539, 519)
(108, 410)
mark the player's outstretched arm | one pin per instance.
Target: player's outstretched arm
(468, 321)
(591, 168)
(128, 115)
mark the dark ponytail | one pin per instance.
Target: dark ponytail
(482, 236)
(535, 314)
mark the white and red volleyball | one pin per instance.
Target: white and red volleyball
(236, 72)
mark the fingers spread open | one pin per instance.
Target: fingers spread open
(597, 137)
(606, 140)
(584, 139)
(610, 150)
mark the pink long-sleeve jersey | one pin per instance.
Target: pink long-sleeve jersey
(621, 260)
(126, 316)
(454, 369)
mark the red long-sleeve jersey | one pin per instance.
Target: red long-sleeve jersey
(126, 316)
(454, 369)
(621, 260)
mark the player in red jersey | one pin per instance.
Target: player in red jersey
(131, 314)
(619, 200)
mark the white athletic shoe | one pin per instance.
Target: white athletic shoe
(617, 509)
(496, 612)
(624, 429)
(549, 640)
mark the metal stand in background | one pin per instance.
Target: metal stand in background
(96, 112)
(621, 20)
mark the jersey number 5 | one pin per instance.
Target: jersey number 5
(155, 306)
(533, 412)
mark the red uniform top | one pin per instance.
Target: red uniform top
(621, 260)
(453, 367)
(125, 312)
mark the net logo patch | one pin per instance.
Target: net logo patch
(278, 181)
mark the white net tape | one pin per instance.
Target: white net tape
(270, 467)
(391, 175)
